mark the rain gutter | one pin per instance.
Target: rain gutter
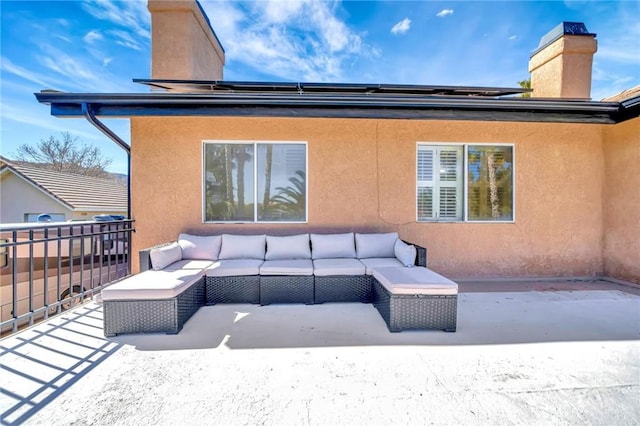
(335, 106)
(91, 118)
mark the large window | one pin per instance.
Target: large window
(465, 183)
(255, 182)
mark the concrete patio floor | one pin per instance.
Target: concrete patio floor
(568, 356)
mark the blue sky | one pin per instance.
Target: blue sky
(100, 46)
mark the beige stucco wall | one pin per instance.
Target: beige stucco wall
(18, 197)
(362, 177)
(622, 201)
(183, 46)
(563, 68)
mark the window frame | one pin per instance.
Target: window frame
(255, 143)
(465, 183)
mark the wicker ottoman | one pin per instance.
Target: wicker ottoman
(152, 302)
(415, 299)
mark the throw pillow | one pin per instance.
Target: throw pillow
(405, 253)
(161, 257)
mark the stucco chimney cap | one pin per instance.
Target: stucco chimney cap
(563, 28)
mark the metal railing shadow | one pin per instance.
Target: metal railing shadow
(42, 362)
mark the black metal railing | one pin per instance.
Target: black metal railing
(47, 268)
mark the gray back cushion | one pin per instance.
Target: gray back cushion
(376, 245)
(291, 247)
(200, 247)
(242, 247)
(333, 246)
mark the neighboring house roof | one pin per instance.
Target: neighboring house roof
(250, 99)
(625, 95)
(77, 192)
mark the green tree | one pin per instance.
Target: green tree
(525, 84)
(65, 155)
(291, 200)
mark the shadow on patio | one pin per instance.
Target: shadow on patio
(238, 364)
(483, 318)
(42, 362)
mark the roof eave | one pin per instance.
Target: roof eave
(363, 106)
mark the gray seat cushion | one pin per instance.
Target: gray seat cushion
(200, 265)
(234, 268)
(330, 267)
(287, 267)
(380, 262)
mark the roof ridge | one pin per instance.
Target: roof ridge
(77, 191)
(34, 166)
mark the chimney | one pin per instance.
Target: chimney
(561, 65)
(183, 44)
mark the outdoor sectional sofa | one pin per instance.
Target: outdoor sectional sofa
(178, 278)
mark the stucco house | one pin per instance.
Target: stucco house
(27, 191)
(494, 185)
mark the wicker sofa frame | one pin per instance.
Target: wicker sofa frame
(415, 311)
(286, 289)
(239, 289)
(153, 316)
(400, 312)
(248, 288)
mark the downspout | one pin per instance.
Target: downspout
(91, 118)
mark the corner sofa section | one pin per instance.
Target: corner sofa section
(305, 268)
(179, 277)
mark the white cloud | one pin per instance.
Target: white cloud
(77, 72)
(513, 37)
(402, 26)
(628, 53)
(444, 12)
(125, 39)
(289, 40)
(132, 15)
(38, 116)
(278, 12)
(8, 66)
(106, 61)
(92, 36)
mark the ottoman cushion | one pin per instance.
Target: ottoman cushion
(152, 285)
(417, 280)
